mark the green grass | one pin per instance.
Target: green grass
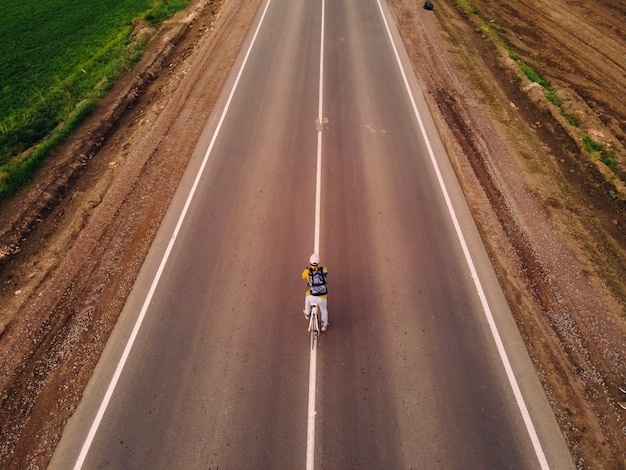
(591, 145)
(467, 7)
(573, 119)
(596, 148)
(532, 75)
(55, 55)
(608, 158)
(552, 97)
(527, 70)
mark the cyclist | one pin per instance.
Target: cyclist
(317, 293)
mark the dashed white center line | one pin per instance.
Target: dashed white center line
(310, 438)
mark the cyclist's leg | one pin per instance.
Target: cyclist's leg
(307, 305)
(323, 306)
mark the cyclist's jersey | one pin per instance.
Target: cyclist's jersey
(305, 276)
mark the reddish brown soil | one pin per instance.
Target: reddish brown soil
(556, 235)
(71, 246)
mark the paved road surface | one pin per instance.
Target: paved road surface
(408, 375)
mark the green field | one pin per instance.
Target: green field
(54, 55)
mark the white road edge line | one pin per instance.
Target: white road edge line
(131, 340)
(468, 258)
(310, 429)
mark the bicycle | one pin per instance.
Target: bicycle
(314, 325)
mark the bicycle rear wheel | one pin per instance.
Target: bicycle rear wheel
(313, 326)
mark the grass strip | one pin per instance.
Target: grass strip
(52, 76)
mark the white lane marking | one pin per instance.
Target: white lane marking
(468, 258)
(320, 128)
(157, 277)
(310, 430)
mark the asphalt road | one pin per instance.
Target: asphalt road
(409, 374)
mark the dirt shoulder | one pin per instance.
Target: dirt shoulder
(554, 231)
(72, 245)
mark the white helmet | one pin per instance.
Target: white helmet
(315, 259)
